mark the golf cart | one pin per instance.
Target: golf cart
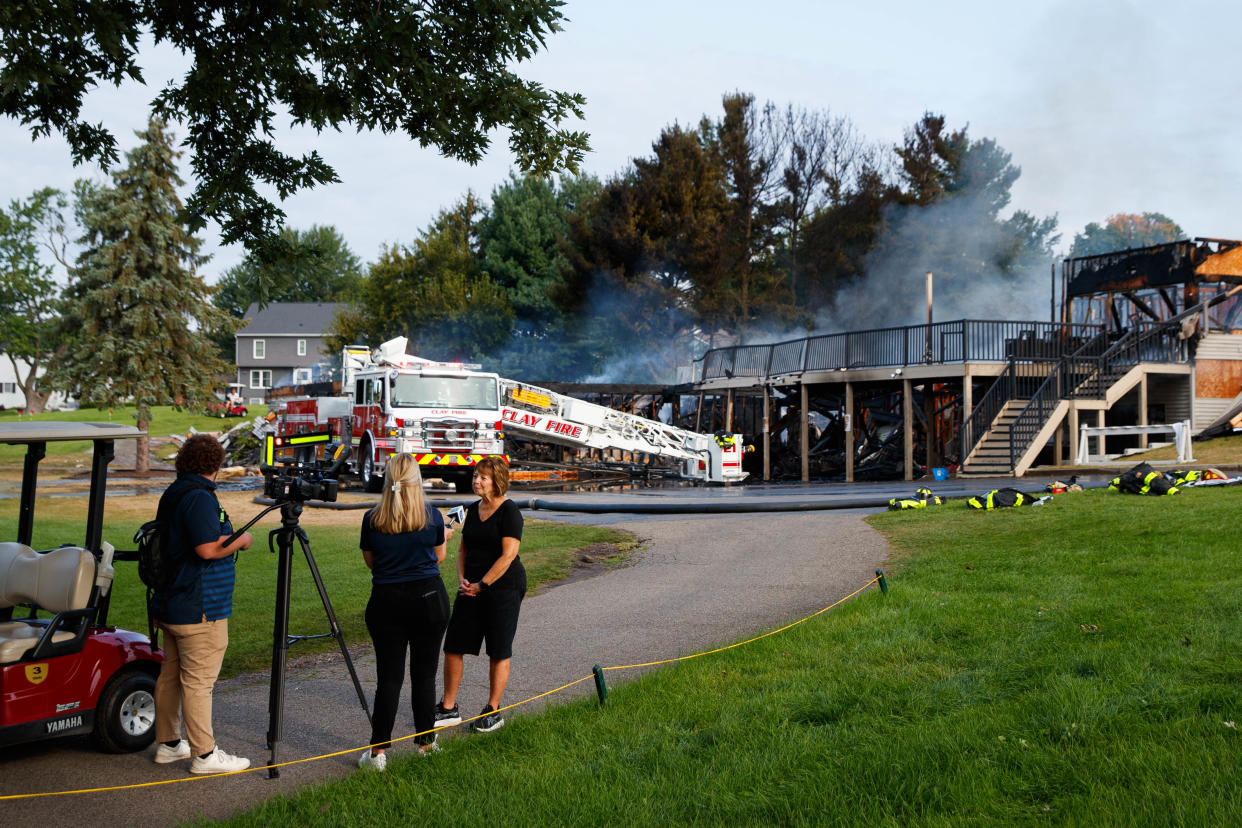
(66, 672)
(229, 403)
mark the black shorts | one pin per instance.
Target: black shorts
(492, 616)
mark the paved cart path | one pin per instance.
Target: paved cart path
(700, 580)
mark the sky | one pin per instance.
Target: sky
(1107, 106)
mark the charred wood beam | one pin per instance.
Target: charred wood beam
(1168, 300)
(1141, 305)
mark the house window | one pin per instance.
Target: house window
(260, 349)
(261, 379)
(301, 375)
(8, 388)
(301, 347)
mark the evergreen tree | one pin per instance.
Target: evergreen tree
(434, 293)
(137, 317)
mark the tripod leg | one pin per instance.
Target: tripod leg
(336, 628)
(280, 648)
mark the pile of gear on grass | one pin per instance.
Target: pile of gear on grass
(1142, 480)
(241, 448)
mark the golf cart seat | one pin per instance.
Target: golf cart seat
(59, 581)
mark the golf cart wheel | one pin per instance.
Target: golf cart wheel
(372, 481)
(125, 718)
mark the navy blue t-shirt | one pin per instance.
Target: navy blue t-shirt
(406, 556)
(202, 589)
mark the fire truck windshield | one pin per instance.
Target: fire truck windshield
(409, 391)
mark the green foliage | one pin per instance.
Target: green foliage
(314, 265)
(137, 318)
(434, 293)
(441, 73)
(1123, 231)
(27, 315)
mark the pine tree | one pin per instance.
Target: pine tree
(137, 318)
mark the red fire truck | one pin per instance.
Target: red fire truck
(446, 414)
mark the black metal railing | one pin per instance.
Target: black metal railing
(960, 341)
(1020, 380)
(1090, 371)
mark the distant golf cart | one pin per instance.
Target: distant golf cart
(63, 670)
(229, 402)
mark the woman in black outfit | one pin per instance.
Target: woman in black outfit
(403, 544)
(492, 585)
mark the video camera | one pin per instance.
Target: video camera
(302, 477)
(294, 480)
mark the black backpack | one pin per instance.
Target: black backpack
(158, 565)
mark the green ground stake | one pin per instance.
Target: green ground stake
(883, 583)
(600, 686)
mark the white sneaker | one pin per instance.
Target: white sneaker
(218, 762)
(165, 754)
(376, 762)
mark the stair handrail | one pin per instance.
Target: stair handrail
(990, 404)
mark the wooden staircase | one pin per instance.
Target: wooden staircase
(991, 457)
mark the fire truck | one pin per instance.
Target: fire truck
(449, 416)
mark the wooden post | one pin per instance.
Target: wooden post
(907, 425)
(932, 452)
(1142, 412)
(1073, 432)
(803, 436)
(1099, 422)
(698, 414)
(767, 436)
(849, 432)
(728, 424)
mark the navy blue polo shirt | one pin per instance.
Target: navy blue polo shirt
(406, 556)
(202, 589)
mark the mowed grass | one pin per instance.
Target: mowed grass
(1076, 663)
(165, 420)
(548, 552)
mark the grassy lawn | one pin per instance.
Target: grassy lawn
(548, 552)
(165, 420)
(1076, 663)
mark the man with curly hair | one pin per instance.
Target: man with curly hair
(194, 612)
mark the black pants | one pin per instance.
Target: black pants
(400, 617)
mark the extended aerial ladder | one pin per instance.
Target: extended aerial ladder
(550, 417)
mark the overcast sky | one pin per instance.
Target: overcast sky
(1107, 106)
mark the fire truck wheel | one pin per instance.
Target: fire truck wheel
(125, 718)
(372, 481)
(462, 486)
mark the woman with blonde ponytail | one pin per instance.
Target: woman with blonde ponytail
(403, 544)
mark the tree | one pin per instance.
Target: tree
(522, 243)
(314, 265)
(26, 314)
(137, 318)
(1123, 231)
(434, 293)
(437, 71)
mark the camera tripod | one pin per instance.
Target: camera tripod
(290, 513)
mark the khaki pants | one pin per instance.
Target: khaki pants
(193, 654)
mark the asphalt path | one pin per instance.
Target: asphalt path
(698, 580)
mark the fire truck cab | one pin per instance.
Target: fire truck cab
(445, 414)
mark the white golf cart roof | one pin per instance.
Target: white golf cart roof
(55, 431)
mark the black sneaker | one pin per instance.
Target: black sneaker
(447, 717)
(491, 721)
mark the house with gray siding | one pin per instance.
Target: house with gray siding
(283, 344)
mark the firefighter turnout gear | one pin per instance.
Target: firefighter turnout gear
(1143, 480)
(923, 497)
(1003, 499)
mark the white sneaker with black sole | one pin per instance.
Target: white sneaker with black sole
(218, 762)
(490, 720)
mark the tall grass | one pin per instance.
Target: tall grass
(1076, 663)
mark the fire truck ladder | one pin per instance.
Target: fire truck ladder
(546, 416)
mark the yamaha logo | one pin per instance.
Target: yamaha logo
(61, 725)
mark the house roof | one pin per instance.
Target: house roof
(290, 318)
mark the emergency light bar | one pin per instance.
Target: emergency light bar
(274, 442)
